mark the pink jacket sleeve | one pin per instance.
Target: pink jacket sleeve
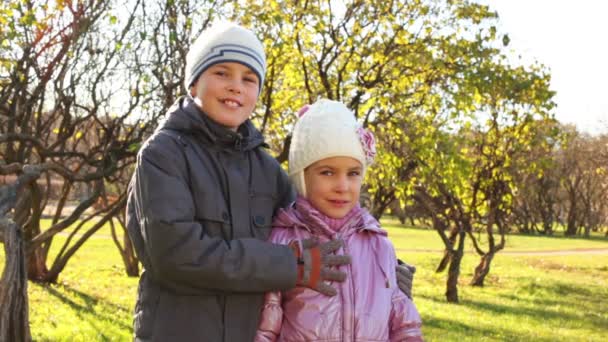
(272, 313)
(404, 321)
(271, 318)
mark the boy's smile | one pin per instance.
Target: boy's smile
(227, 93)
(333, 185)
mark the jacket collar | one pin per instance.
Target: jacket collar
(187, 117)
(301, 214)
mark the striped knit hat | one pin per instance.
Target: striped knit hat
(225, 42)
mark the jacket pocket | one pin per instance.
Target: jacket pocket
(214, 220)
(262, 207)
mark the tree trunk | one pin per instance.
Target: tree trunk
(381, 201)
(571, 227)
(378, 209)
(36, 265)
(14, 320)
(27, 216)
(129, 258)
(445, 261)
(126, 250)
(451, 292)
(482, 270)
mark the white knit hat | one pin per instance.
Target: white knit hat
(225, 42)
(327, 129)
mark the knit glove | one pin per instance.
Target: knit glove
(405, 277)
(314, 262)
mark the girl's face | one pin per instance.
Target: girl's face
(333, 185)
(227, 93)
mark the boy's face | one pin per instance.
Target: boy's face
(227, 93)
(333, 185)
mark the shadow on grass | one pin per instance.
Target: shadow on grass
(557, 294)
(559, 289)
(541, 308)
(87, 311)
(454, 328)
(542, 302)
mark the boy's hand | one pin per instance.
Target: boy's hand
(405, 277)
(314, 261)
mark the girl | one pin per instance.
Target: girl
(327, 161)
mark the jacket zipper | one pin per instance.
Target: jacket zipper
(351, 290)
(354, 304)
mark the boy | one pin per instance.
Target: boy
(201, 203)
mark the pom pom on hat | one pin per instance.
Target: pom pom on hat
(327, 129)
(225, 42)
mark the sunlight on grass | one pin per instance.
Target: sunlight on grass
(526, 298)
(426, 239)
(93, 300)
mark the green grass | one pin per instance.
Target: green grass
(526, 298)
(557, 298)
(93, 300)
(423, 239)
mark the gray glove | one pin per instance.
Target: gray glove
(314, 262)
(405, 277)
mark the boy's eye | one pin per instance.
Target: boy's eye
(327, 173)
(220, 73)
(251, 80)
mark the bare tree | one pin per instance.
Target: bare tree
(584, 186)
(14, 320)
(61, 115)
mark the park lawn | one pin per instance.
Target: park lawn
(426, 239)
(526, 298)
(93, 300)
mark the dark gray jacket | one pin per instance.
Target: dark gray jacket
(199, 211)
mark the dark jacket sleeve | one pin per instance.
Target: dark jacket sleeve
(286, 189)
(179, 255)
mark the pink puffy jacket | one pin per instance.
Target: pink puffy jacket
(369, 305)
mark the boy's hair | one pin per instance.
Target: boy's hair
(327, 129)
(225, 42)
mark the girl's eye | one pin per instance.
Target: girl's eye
(220, 73)
(327, 173)
(354, 173)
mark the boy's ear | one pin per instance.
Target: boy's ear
(192, 88)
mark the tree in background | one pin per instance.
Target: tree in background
(568, 186)
(70, 90)
(584, 183)
(536, 206)
(465, 182)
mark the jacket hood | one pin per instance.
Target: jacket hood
(185, 116)
(301, 214)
